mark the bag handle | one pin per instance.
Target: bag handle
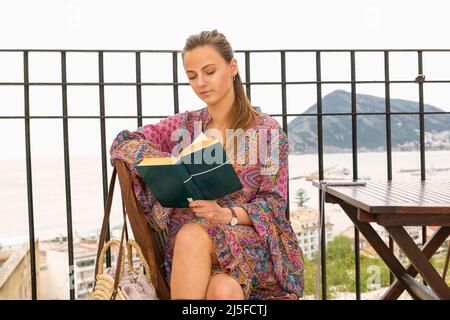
(101, 261)
(137, 221)
(119, 271)
(133, 244)
(105, 223)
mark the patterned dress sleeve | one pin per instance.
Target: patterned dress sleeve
(154, 141)
(267, 212)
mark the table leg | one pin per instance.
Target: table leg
(379, 246)
(428, 250)
(420, 261)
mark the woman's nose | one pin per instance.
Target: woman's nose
(201, 81)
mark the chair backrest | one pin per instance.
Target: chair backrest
(151, 241)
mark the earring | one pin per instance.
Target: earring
(234, 77)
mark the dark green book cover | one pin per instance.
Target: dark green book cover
(205, 174)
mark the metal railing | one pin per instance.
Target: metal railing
(248, 84)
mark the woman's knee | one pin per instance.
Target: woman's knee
(224, 287)
(191, 236)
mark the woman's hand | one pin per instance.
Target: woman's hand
(211, 211)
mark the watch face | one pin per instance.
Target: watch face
(234, 221)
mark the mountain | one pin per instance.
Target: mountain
(371, 129)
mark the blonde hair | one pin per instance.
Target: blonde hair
(242, 112)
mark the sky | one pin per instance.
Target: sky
(252, 24)
(161, 25)
(165, 25)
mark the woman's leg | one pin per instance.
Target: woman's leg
(224, 287)
(191, 265)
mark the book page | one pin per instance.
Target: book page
(158, 161)
(200, 142)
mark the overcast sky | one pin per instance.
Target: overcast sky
(261, 24)
(251, 24)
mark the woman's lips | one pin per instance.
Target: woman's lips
(205, 92)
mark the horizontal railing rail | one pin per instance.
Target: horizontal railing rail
(175, 84)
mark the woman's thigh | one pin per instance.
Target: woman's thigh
(189, 234)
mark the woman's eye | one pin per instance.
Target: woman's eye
(192, 78)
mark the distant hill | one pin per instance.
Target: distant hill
(337, 130)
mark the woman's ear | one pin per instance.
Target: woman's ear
(234, 66)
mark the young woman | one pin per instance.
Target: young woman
(240, 246)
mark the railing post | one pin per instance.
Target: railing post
(67, 177)
(284, 111)
(323, 246)
(176, 104)
(422, 133)
(101, 87)
(355, 169)
(387, 100)
(247, 76)
(138, 89)
(26, 88)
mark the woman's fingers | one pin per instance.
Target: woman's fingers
(201, 203)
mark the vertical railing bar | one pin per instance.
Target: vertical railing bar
(26, 88)
(176, 103)
(355, 169)
(101, 87)
(247, 75)
(422, 134)
(284, 112)
(67, 177)
(138, 89)
(323, 261)
(387, 90)
(387, 99)
(421, 121)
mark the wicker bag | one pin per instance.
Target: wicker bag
(122, 282)
(136, 286)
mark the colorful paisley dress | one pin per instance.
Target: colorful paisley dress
(264, 258)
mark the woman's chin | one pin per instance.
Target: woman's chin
(208, 100)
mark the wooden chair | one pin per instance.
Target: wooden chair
(151, 241)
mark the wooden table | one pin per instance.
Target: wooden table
(394, 205)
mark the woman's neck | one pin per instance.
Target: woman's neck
(219, 116)
(220, 112)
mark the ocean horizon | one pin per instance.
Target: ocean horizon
(49, 194)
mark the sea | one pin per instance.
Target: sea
(50, 206)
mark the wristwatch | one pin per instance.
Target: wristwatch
(234, 218)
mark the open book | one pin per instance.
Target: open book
(201, 171)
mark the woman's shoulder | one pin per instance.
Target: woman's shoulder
(266, 121)
(187, 115)
(272, 127)
(193, 113)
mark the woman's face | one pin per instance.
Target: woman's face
(210, 76)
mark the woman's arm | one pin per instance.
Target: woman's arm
(152, 141)
(270, 201)
(160, 134)
(242, 216)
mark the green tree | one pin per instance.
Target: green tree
(340, 263)
(301, 197)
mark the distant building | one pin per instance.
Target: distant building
(305, 224)
(55, 277)
(15, 273)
